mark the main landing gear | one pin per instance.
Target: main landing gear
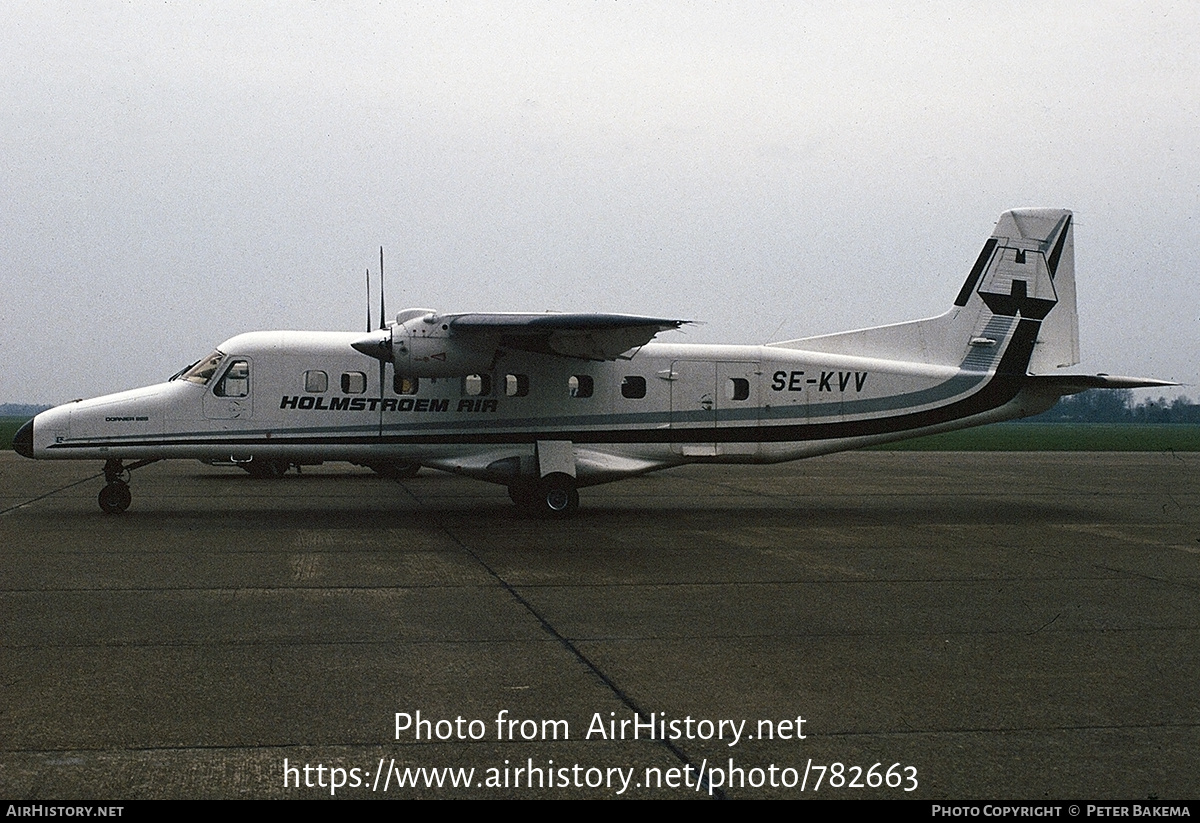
(267, 469)
(553, 496)
(115, 497)
(395, 471)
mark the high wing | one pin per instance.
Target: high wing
(425, 343)
(584, 336)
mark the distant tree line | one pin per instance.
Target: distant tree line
(1117, 406)
(21, 409)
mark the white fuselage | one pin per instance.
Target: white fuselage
(547, 403)
(308, 396)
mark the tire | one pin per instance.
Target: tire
(271, 469)
(557, 496)
(553, 497)
(115, 498)
(396, 471)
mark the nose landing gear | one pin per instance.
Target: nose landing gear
(115, 497)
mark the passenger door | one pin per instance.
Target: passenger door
(739, 400)
(694, 405)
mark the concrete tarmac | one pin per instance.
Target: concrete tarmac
(982, 625)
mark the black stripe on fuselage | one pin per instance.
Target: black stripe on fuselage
(1002, 387)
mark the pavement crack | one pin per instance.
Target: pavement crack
(575, 651)
(50, 493)
(1044, 625)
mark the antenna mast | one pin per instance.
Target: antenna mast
(381, 323)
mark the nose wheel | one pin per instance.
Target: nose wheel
(115, 497)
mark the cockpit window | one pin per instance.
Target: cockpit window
(235, 382)
(202, 371)
(181, 372)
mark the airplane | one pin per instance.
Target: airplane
(547, 404)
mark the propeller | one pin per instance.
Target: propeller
(385, 344)
(377, 344)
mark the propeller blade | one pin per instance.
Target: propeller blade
(381, 310)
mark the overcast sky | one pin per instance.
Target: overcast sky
(172, 174)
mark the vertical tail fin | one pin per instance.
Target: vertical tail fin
(1026, 272)
(1033, 275)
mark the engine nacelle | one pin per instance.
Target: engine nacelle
(424, 346)
(440, 355)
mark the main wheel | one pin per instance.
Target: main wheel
(556, 496)
(396, 471)
(270, 469)
(115, 498)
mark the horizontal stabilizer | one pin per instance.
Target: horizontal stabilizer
(1064, 384)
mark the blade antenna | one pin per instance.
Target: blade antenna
(382, 367)
(381, 311)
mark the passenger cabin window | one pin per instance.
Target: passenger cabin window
(354, 382)
(316, 381)
(580, 385)
(405, 385)
(633, 387)
(477, 385)
(739, 388)
(236, 380)
(516, 385)
(201, 372)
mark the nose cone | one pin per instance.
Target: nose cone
(23, 440)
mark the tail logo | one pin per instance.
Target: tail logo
(1018, 301)
(1028, 274)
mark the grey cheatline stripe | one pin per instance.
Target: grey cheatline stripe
(959, 385)
(974, 374)
(566, 643)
